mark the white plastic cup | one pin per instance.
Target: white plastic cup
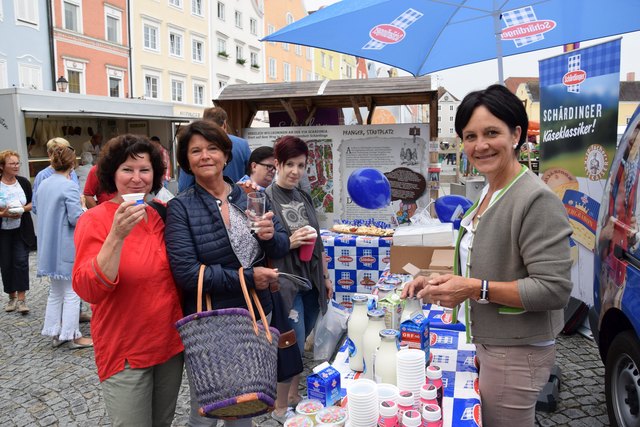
(134, 197)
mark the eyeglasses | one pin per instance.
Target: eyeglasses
(13, 165)
(270, 168)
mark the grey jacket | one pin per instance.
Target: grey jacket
(523, 236)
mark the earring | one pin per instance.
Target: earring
(514, 146)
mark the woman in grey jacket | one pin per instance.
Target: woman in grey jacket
(512, 262)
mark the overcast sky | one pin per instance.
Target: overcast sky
(457, 80)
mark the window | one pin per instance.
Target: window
(196, 7)
(253, 26)
(349, 71)
(272, 68)
(298, 74)
(450, 130)
(177, 90)
(175, 44)
(323, 60)
(71, 18)
(4, 81)
(114, 87)
(30, 76)
(450, 118)
(285, 46)
(309, 76)
(27, 11)
(450, 107)
(198, 93)
(238, 19)
(298, 50)
(331, 62)
(239, 52)
(222, 47)
(176, 3)
(286, 71)
(197, 50)
(113, 24)
(309, 54)
(221, 84)
(439, 107)
(151, 37)
(270, 30)
(221, 10)
(151, 85)
(254, 59)
(75, 81)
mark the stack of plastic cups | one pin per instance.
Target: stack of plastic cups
(362, 398)
(411, 372)
(387, 392)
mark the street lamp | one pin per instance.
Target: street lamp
(62, 84)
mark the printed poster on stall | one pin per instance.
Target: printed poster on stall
(579, 93)
(336, 151)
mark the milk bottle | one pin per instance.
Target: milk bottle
(371, 340)
(355, 330)
(385, 362)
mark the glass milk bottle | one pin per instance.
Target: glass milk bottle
(355, 330)
(385, 363)
(371, 340)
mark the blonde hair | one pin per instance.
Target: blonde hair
(4, 155)
(56, 142)
(63, 158)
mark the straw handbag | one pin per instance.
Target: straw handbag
(231, 358)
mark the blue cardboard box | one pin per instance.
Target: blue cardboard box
(324, 386)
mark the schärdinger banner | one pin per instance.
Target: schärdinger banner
(579, 93)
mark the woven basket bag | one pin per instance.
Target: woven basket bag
(231, 358)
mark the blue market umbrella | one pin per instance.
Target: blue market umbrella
(424, 36)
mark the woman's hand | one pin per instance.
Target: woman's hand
(266, 229)
(329, 286)
(127, 216)
(446, 290)
(263, 277)
(301, 236)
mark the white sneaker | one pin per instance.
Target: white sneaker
(284, 417)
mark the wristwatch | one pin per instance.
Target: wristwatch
(484, 293)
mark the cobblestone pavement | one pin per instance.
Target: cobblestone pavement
(42, 386)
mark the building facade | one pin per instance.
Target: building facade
(285, 62)
(170, 53)
(91, 46)
(28, 63)
(235, 47)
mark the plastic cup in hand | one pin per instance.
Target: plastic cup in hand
(134, 197)
(306, 250)
(255, 208)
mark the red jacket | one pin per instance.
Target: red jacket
(133, 316)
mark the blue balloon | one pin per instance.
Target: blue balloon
(451, 208)
(369, 188)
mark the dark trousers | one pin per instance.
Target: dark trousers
(14, 261)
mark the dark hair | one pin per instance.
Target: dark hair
(289, 146)
(121, 148)
(216, 115)
(209, 131)
(154, 138)
(501, 103)
(63, 158)
(258, 155)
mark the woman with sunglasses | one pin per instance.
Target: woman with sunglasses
(17, 237)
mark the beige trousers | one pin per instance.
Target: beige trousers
(511, 379)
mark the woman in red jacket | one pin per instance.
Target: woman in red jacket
(122, 269)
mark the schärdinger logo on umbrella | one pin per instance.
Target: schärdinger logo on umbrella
(384, 34)
(523, 27)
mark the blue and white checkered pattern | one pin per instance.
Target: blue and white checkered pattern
(403, 21)
(573, 65)
(518, 17)
(595, 61)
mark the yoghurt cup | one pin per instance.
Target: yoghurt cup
(332, 415)
(309, 407)
(299, 421)
(135, 197)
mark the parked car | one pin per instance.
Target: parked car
(615, 315)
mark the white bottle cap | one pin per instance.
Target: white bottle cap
(431, 413)
(428, 392)
(434, 372)
(405, 398)
(388, 408)
(411, 418)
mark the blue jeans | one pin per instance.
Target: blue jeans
(303, 315)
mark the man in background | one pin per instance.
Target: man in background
(240, 151)
(165, 159)
(93, 146)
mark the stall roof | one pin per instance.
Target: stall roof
(243, 101)
(37, 113)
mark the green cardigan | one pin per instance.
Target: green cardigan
(523, 236)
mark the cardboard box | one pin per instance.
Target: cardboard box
(324, 386)
(427, 259)
(414, 333)
(434, 235)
